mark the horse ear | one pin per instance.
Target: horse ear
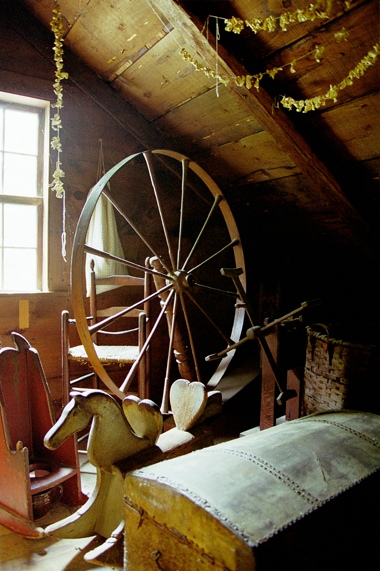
(76, 395)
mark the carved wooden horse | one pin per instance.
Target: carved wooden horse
(112, 438)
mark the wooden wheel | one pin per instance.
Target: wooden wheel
(170, 211)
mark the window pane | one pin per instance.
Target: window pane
(1, 127)
(20, 175)
(21, 270)
(22, 191)
(20, 225)
(21, 131)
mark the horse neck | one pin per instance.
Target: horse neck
(110, 435)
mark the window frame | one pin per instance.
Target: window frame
(42, 108)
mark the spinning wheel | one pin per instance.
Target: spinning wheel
(171, 213)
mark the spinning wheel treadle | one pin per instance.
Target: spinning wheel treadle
(172, 213)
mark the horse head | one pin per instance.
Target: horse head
(111, 437)
(74, 417)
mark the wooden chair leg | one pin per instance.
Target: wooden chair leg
(64, 357)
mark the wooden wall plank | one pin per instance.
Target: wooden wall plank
(24, 84)
(43, 332)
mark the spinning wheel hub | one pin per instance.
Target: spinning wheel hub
(190, 279)
(183, 281)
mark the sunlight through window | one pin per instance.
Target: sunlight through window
(21, 194)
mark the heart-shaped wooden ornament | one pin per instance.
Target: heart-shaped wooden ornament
(188, 401)
(144, 417)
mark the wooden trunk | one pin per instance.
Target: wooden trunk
(300, 495)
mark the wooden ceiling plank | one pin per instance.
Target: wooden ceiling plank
(200, 121)
(133, 58)
(357, 126)
(43, 11)
(109, 33)
(244, 159)
(171, 80)
(275, 121)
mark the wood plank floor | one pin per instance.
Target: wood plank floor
(49, 553)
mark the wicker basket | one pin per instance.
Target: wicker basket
(338, 374)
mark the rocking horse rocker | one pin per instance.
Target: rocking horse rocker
(123, 438)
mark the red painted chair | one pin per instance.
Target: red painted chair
(31, 476)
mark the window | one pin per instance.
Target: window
(23, 202)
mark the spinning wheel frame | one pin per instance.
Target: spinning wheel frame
(179, 283)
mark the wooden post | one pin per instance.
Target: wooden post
(268, 384)
(293, 405)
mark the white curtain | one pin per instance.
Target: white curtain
(102, 234)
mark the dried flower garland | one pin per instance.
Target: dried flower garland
(206, 70)
(271, 24)
(321, 10)
(247, 81)
(303, 105)
(56, 123)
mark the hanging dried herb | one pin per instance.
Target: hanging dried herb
(56, 123)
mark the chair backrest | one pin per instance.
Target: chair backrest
(114, 282)
(99, 310)
(24, 396)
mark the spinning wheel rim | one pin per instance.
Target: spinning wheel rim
(78, 286)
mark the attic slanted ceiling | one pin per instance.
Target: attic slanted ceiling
(260, 106)
(239, 137)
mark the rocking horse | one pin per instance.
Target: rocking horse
(112, 438)
(122, 438)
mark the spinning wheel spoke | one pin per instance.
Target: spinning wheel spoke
(217, 199)
(102, 254)
(229, 245)
(165, 393)
(135, 229)
(148, 159)
(109, 320)
(129, 378)
(178, 217)
(191, 339)
(206, 315)
(215, 290)
(185, 169)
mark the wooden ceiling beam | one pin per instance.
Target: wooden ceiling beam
(322, 183)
